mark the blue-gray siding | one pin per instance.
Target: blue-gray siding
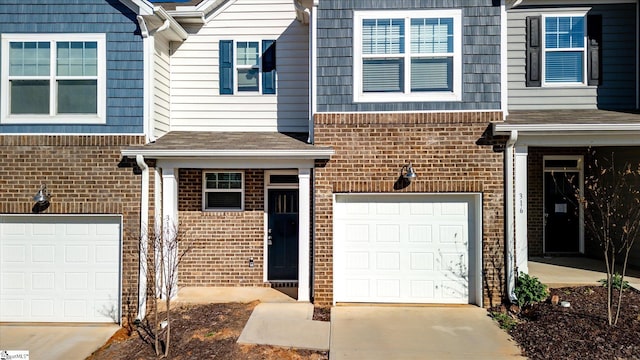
(617, 90)
(124, 55)
(480, 61)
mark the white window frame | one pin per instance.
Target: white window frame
(582, 14)
(407, 96)
(99, 118)
(237, 67)
(205, 190)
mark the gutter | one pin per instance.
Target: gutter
(300, 154)
(144, 239)
(509, 214)
(162, 14)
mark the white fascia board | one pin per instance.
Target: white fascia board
(219, 154)
(568, 2)
(548, 139)
(174, 26)
(563, 129)
(235, 163)
(188, 17)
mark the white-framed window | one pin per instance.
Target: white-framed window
(565, 49)
(407, 55)
(53, 78)
(222, 190)
(247, 67)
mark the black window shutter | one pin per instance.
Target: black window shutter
(534, 51)
(226, 67)
(268, 66)
(594, 49)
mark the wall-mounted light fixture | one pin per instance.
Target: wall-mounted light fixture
(407, 172)
(42, 198)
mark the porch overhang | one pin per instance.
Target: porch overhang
(254, 149)
(232, 150)
(572, 127)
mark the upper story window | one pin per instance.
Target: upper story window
(247, 67)
(407, 56)
(53, 78)
(564, 49)
(223, 191)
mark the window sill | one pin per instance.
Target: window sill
(414, 97)
(53, 120)
(222, 210)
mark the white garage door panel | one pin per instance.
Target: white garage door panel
(59, 268)
(407, 249)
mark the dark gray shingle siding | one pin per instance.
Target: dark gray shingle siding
(480, 62)
(124, 55)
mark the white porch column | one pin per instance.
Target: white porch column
(169, 219)
(304, 228)
(521, 173)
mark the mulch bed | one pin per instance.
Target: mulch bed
(322, 313)
(581, 331)
(200, 332)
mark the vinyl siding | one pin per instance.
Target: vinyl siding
(480, 55)
(617, 90)
(124, 55)
(196, 103)
(161, 87)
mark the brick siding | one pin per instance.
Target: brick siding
(85, 175)
(223, 242)
(371, 148)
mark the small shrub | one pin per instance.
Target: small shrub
(618, 283)
(505, 321)
(529, 290)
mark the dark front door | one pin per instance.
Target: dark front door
(562, 227)
(283, 234)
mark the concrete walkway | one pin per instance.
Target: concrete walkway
(55, 342)
(278, 319)
(574, 271)
(460, 332)
(286, 324)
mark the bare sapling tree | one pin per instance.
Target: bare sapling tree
(611, 203)
(169, 246)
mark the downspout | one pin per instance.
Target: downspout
(144, 238)
(504, 59)
(157, 200)
(149, 71)
(147, 42)
(313, 69)
(509, 215)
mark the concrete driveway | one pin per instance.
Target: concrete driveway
(55, 342)
(379, 332)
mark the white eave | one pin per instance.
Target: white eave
(290, 154)
(515, 3)
(563, 129)
(174, 26)
(188, 17)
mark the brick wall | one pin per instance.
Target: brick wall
(371, 148)
(85, 175)
(223, 241)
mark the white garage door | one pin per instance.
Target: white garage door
(59, 268)
(405, 248)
